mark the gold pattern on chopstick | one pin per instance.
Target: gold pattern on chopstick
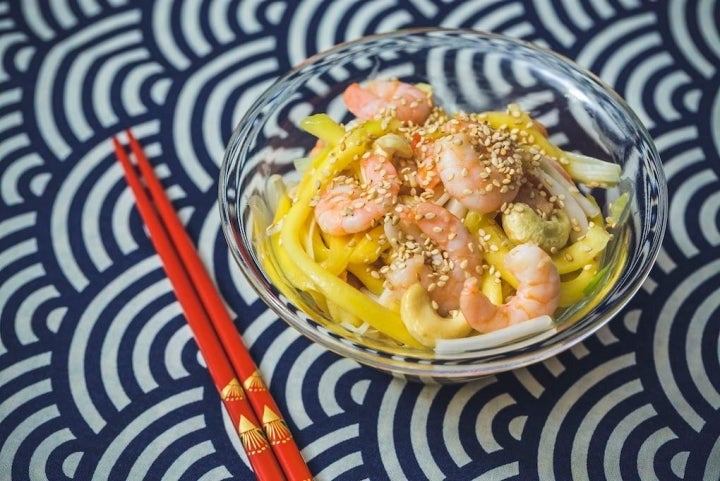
(252, 437)
(254, 382)
(233, 391)
(275, 428)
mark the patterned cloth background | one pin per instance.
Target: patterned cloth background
(100, 378)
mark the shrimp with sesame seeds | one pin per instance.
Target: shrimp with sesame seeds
(345, 207)
(404, 101)
(482, 177)
(537, 293)
(451, 251)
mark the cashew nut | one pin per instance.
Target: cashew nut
(522, 224)
(424, 323)
(394, 144)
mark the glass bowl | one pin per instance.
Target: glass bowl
(470, 71)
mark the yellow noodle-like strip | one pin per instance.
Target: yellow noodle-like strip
(355, 143)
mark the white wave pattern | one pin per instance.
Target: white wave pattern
(684, 196)
(37, 416)
(111, 358)
(15, 285)
(490, 16)
(247, 16)
(191, 30)
(547, 14)
(677, 15)
(26, 313)
(661, 345)
(163, 35)
(17, 370)
(451, 440)
(217, 102)
(207, 240)
(37, 421)
(131, 84)
(8, 40)
(666, 87)
(710, 209)
(323, 446)
(38, 468)
(580, 450)
(187, 102)
(601, 44)
(147, 340)
(52, 69)
(715, 121)
(485, 418)
(529, 381)
(75, 84)
(35, 20)
(84, 333)
(639, 80)
(15, 160)
(553, 424)
(139, 427)
(330, 381)
(298, 381)
(298, 30)
(700, 324)
(415, 433)
(386, 430)
(218, 13)
(10, 178)
(61, 214)
(649, 447)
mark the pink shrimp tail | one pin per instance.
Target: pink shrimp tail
(537, 293)
(479, 311)
(361, 102)
(377, 97)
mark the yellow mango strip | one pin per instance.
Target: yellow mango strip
(492, 288)
(523, 122)
(367, 246)
(320, 251)
(336, 252)
(294, 275)
(362, 273)
(274, 270)
(340, 314)
(573, 290)
(580, 253)
(339, 251)
(334, 159)
(355, 143)
(494, 241)
(323, 127)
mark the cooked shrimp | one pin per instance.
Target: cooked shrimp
(461, 257)
(481, 178)
(348, 208)
(537, 293)
(403, 275)
(379, 97)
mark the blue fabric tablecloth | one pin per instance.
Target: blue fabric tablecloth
(99, 375)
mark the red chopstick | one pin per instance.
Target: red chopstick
(214, 331)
